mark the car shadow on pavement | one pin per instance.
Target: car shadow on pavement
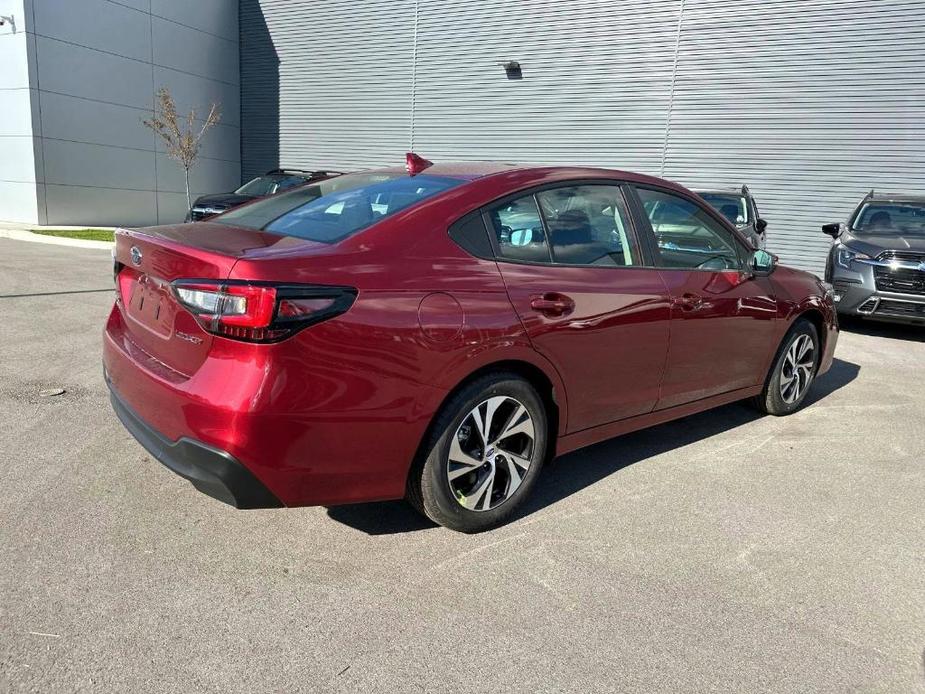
(573, 472)
(893, 331)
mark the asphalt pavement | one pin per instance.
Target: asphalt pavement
(723, 552)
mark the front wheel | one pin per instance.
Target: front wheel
(793, 371)
(483, 455)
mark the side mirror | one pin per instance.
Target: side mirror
(763, 263)
(832, 230)
(760, 225)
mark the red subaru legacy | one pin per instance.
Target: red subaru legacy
(438, 333)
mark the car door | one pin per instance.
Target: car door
(723, 319)
(575, 273)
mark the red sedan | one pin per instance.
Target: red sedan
(438, 333)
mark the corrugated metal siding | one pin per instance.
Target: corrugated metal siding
(342, 81)
(811, 103)
(594, 90)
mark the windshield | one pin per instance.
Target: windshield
(267, 185)
(892, 218)
(732, 206)
(333, 209)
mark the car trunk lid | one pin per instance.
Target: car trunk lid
(148, 260)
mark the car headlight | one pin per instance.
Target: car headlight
(844, 256)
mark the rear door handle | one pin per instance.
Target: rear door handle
(552, 304)
(688, 302)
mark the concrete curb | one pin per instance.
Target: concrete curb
(24, 235)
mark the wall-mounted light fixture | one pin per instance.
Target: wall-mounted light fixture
(8, 18)
(512, 70)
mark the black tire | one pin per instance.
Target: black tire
(772, 400)
(429, 488)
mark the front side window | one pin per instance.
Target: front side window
(588, 225)
(886, 219)
(733, 207)
(687, 235)
(334, 209)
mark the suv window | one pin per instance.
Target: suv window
(588, 226)
(687, 235)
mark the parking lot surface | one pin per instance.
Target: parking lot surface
(726, 552)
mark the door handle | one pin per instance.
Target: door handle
(552, 304)
(688, 302)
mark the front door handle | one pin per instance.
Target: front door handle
(688, 302)
(552, 304)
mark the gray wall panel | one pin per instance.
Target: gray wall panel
(208, 174)
(81, 164)
(190, 91)
(98, 24)
(77, 205)
(82, 120)
(68, 69)
(194, 52)
(218, 17)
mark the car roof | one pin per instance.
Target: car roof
(894, 197)
(515, 174)
(721, 191)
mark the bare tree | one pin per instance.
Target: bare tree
(180, 134)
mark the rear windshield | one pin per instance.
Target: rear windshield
(733, 207)
(331, 210)
(885, 219)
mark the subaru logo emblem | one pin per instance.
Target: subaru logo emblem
(136, 255)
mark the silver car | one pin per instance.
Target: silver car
(739, 207)
(877, 261)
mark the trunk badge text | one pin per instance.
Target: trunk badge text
(189, 338)
(136, 255)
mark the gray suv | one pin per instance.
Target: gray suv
(738, 206)
(877, 262)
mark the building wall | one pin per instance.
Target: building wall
(810, 103)
(18, 193)
(97, 65)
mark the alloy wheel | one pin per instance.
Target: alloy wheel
(490, 453)
(797, 368)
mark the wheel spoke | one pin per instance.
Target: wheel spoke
(514, 475)
(518, 423)
(484, 424)
(458, 455)
(805, 345)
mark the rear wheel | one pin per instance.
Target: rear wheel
(793, 371)
(483, 456)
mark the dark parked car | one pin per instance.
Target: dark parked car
(270, 183)
(739, 207)
(438, 334)
(877, 262)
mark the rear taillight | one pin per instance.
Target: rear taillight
(260, 311)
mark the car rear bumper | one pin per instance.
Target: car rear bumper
(312, 431)
(212, 471)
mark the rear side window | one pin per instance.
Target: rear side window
(519, 231)
(334, 209)
(588, 225)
